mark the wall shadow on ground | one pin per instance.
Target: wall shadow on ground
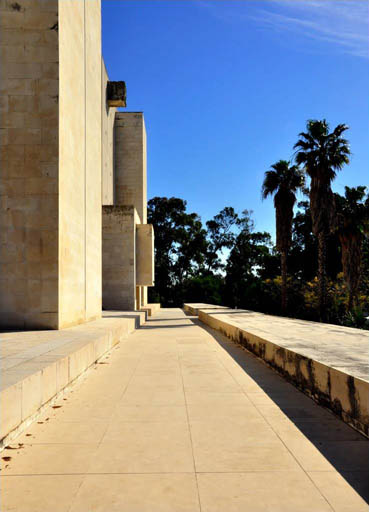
(343, 447)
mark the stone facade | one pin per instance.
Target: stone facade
(130, 161)
(58, 164)
(119, 262)
(29, 195)
(108, 122)
(126, 277)
(145, 255)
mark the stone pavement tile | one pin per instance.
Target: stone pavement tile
(42, 493)
(152, 368)
(153, 397)
(50, 459)
(232, 446)
(326, 430)
(194, 369)
(149, 381)
(275, 413)
(338, 492)
(207, 397)
(327, 455)
(359, 481)
(288, 491)
(56, 431)
(164, 413)
(245, 411)
(144, 448)
(137, 493)
(290, 398)
(266, 384)
(206, 383)
(193, 340)
(78, 410)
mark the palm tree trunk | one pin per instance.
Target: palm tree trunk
(284, 281)
(322, 276)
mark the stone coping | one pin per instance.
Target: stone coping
(37, 365)
(193, 309)
(327, 362)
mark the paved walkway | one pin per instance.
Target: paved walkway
(181, 420)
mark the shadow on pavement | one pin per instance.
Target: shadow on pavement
(343, 447)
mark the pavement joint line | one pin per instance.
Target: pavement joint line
(190, 434)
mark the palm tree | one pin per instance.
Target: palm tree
(322, 153)
(283, 181)
(353, 226)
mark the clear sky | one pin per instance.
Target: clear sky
(227, 85)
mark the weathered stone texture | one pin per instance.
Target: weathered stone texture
(108, 120)
(50, 196)
(327, 362)
(80, 162)
(29, 163)
(145, 256)
(93, 237)
(118, 261)
(130, 162)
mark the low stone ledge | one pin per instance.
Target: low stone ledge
(340, 385)
(151, 309)
(193, 309)
(38, 365)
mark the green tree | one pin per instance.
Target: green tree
(303, 254)
(282, 181)
(245, 263)
(180, 247)
(221, 233)
(353, 226)
(322, 153)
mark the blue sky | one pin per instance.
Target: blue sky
(226, 86)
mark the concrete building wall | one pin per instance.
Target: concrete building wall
(108, 120)
(119, 262)
(29, 163)
(130, 162)
(50, 216)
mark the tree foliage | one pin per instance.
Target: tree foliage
(322, 153)
(323, 240)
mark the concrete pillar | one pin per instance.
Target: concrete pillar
(122, 220)
(119, 262)
(130, 162)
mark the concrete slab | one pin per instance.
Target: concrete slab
(147, 431)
